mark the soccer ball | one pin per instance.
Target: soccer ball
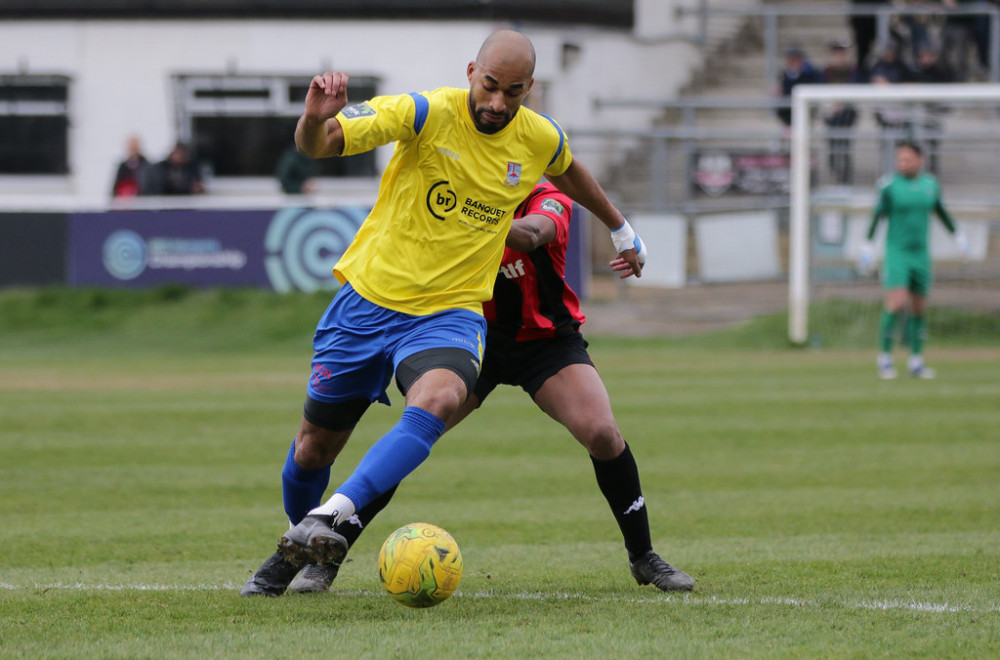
(420, 565)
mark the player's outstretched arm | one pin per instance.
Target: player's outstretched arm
(318, 134)
(531, 232)
(580, 185)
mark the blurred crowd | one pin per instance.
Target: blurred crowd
(177, 174)
(929, 46)
(180, 173)
(958, 43)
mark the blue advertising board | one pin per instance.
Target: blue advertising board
(291, 249)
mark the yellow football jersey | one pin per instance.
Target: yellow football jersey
(436, 235)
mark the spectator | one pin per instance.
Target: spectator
(962, 31)
(178, 174)
(931, 68)
(798, 70)
(906, 124)
(912, 30)
(131, 177)
(889, 67)
(865, 29)
(840, 69)
(295, 172)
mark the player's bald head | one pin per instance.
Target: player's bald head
(507, 49)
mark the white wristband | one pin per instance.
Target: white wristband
(623, 237)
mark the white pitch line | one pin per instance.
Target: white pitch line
(687, 599)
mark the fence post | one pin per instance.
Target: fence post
(882, 29)
(702, 36)
(994, 45)
(659, 175)
(770, 46)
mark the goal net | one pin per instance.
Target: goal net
(843, 142)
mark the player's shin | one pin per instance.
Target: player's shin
(887, 330)
(618, 480)
(395, 455)
(301, 489)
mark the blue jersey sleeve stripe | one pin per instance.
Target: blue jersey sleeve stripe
(562, 139)
(420, 116)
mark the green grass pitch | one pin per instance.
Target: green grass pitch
(823, 513)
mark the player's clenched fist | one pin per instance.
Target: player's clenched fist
(318, 134)
(327, 95)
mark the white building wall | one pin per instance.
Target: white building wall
(121, 75)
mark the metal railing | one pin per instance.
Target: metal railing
(672, 166)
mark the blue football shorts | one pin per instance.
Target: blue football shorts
(358, 345)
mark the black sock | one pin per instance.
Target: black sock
(351, 528)
(618, 479)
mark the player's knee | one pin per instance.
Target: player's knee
(312, 452)
(441, 399)
(438, 380)
(602, 439)
(324, 431)
(316, 447)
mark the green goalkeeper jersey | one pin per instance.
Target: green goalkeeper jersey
(907, 204)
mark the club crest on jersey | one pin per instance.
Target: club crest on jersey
(513, 174)
(358, 110)
(552, 206)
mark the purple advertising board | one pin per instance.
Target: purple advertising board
(292, 249)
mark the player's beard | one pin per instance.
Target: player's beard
(488, 126)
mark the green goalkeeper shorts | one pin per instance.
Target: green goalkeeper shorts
(907, 270)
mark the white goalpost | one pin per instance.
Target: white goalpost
(805, 99)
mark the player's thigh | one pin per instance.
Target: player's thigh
(895, 271)
(575, 397)
(920, 278)
(437, 359)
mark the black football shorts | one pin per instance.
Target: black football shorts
(527, 364)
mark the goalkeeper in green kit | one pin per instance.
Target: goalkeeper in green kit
(906, 199)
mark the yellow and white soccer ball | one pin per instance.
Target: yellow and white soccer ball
(420, 565)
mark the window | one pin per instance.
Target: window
(34, 124)
(240, 125)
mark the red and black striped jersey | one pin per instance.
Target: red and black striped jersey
(531, 299)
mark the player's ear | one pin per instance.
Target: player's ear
(470, 70)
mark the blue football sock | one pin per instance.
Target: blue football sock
(302, 489)
(395, 455)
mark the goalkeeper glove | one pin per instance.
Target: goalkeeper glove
(963, 244)
(866, 258)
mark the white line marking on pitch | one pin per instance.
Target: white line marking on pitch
(668, 598)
